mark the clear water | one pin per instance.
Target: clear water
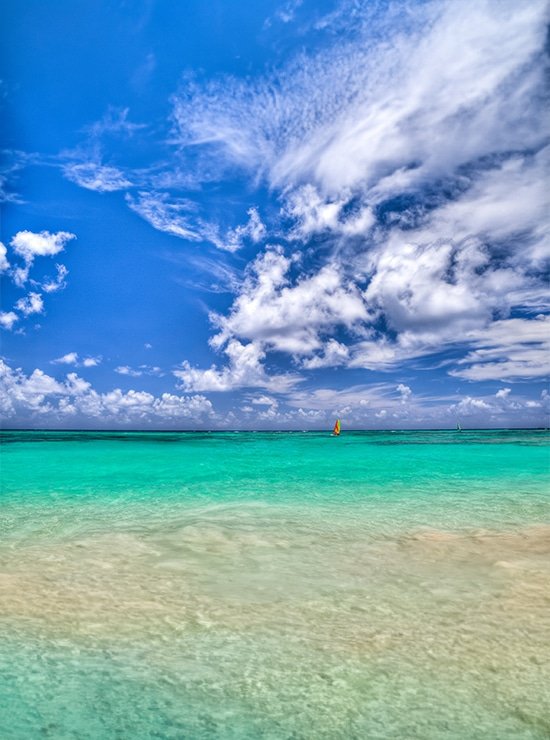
(291, 585)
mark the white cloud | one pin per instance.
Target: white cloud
(290, 318)
(381, 109)
(8, 319)
(254, 230)
(28, 245)
(41, 395)
(445, 276)
(444, 114)
(334, 353)
(58, 282)
(126, 370)
(171, 215)
(28, 392)
(404, 391)
(172, 406)
(264, 401)
(20, 274)
(91, 361)
(136, 373)
(413, 152)
(13, 162)
(245, 369)
(380, 353)
(376, 405)
(429, 288)
(31, 303)
(510, 349)
(314, 214)
(85, 166)
(503, 393)
(179, 217)
(365, 398)
(95, 176)
(71, 358)
(508, 200)
(4, 264)
(286, 13)
(433, 285)
(114, 122)
(469, 406)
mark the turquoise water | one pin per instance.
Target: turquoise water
(275, 585)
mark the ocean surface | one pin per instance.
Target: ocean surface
(275, 585)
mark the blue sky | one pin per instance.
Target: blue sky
(265, 215)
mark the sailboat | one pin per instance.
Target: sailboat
(458, 427)
(336, 430)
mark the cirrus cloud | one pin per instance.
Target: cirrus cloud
(417, 152)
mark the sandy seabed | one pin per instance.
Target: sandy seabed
(218, 625)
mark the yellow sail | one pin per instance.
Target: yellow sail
(336, 430)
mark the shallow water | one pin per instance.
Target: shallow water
(380, 585)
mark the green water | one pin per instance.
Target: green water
(275, 585)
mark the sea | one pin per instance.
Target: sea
(271, 585)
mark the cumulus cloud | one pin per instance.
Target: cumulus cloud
(334, 353)
(431, 292)
(286, 317)
(409, 158)
(31, 303)
(38, 394)
(28, 245)
(91, 361)
(377, 405)
(4, 264)
(71, 358)
(313, 214)
(404, 391)
(470, 406)
(244, 369)
(264, 401)
(8, 319)
(418, 149)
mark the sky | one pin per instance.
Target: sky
(266, 215)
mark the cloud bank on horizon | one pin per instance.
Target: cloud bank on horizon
(357, 226)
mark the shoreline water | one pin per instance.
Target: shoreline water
(272, 588)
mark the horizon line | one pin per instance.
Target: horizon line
(267, 431)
